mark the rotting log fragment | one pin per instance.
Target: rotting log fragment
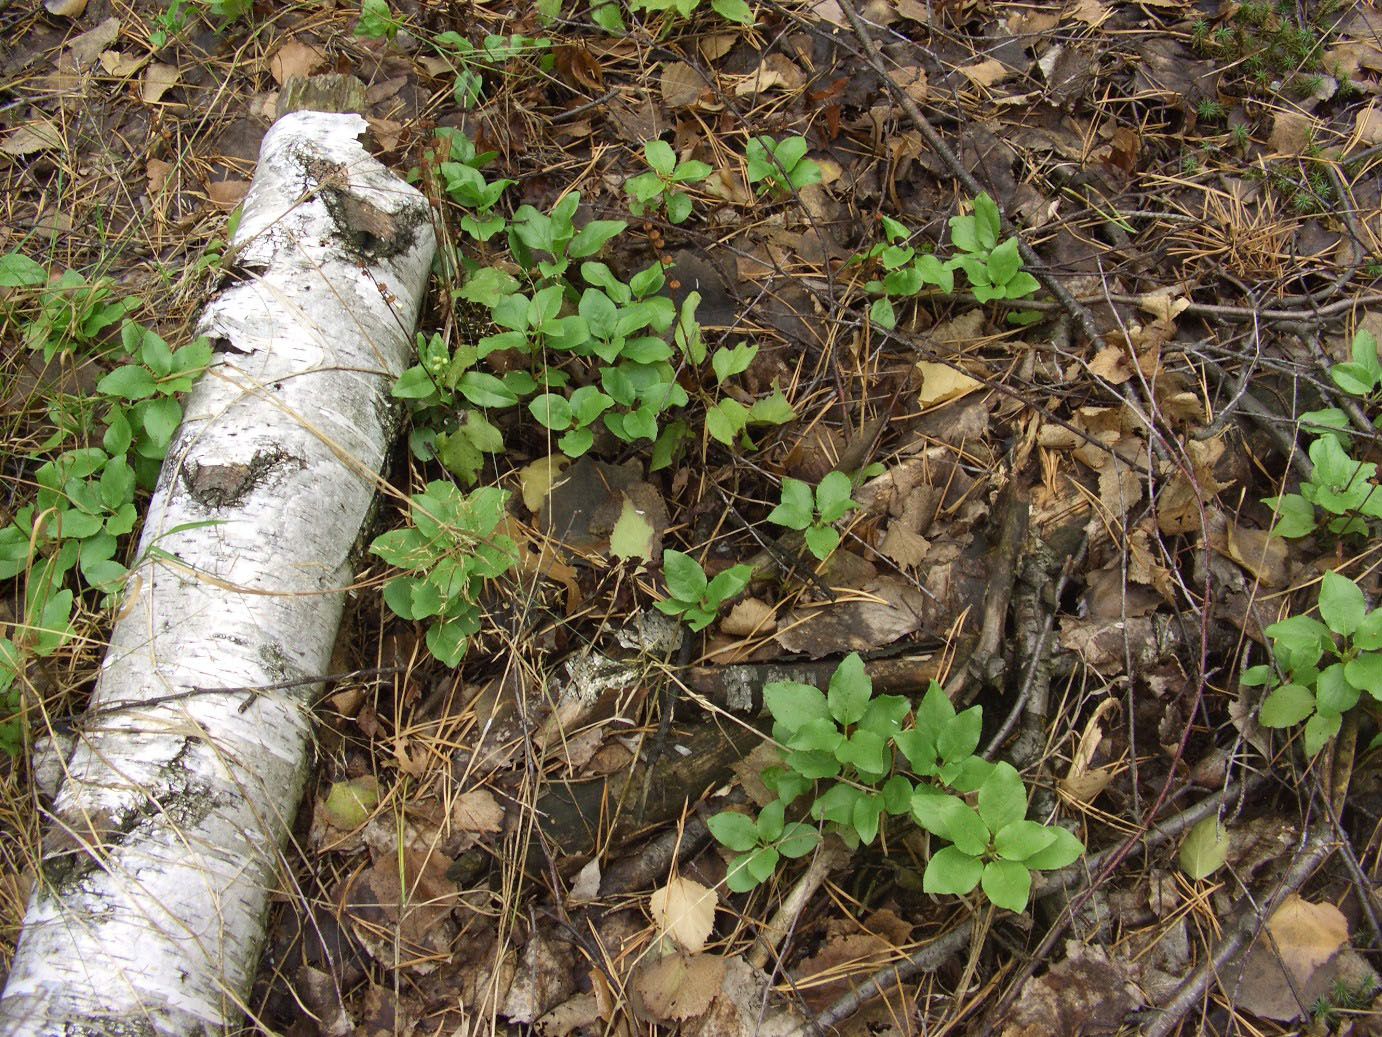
(165, 837)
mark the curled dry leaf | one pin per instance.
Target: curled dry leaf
(158, 80)
(678, 986)
(685, 911)
(477, 811)
(941, 383)
(748, 618)
(38, 135)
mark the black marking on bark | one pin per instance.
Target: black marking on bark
(218, 486)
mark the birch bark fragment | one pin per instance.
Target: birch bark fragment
(164, 842)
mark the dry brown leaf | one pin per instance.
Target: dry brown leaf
(886, 609)
(912, 79)
(1091, 12)
(157, 171)
(1291, 132)
(774, 70)
(903, 546)
(477, 811)
(681, 85)
(716, 45)
(986, 72)
(294, 59)
(963, 330)
(119, 64)
(83, 51)
(65, 8)
(1088, 992)
(1112, 365)
(544, 979)
(158, 80)
(1368, 125)
(678, 986)
(1307, 952)
(1265, 556)
(1163, 305)
(1082, 782)
(685, 911)
(748, 618)
(38, 135)
(227, 194)
(941, 383)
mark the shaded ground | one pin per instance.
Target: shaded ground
(1064, 525)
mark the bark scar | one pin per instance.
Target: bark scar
(218, 486)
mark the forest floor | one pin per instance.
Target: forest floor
(1049, 473)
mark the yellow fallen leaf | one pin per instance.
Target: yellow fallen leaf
(941, 383)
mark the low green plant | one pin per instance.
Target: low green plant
(994, 267)
(814, 513)
(693, 597)
(1321, 666)
(736, 11)
(780, 166)
(1344, 490)
(571, 417)
(843, 749)
(450, 550)
(491, 55)
(377, 20)
(169, 23)
(67, 314)
(658, 186)
(459, 174)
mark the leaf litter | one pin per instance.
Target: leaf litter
(1209, 206)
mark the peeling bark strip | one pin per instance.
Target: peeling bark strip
(163, 845)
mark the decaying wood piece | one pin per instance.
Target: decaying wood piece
(163, 843)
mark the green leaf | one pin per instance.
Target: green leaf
(590, 238)
(728, 362)
(816, 735)
(836, 804)
(1018, 840)
(1287, 705)
(1354, 379)
(459, 456)
(963, 234)
(1341, 603)
(734, 830)
(1319, 729)
(130, 382)
(416, 383)
(796, 509)
(950, 818)
(738, 877)
(736, 11)
(865, 752)
(798, 839)
(793, 705)
(960, 735)
(660, 156)
(1063, 851)
(1365, 673)
(1205, 848)
(1303, 636)
(727, 584)
(1003, 797)
(1004, 262)
(763, 862)
(446, 641)
(1007, 884)
(885, 714)
(833, 496)
(1295, 516)
(685, 578)
(771, 821)
(551, 410)
(771, 410)
(725, 420)
(988, 224)
(952, 871)
(850, 690)
(19, 271)
(160, 419)
(883, 314)
(1333, 691)
(864, 818)
(679, 207)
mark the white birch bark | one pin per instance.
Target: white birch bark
(164, 842)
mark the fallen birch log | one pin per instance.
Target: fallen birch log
(164, 842)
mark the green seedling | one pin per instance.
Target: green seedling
(1322, 666)
(1338, 485)
(67, 314)
(169, 23)
(813, 513)
(780, 166)
(376, 21)
(736, 11)
(658, 186)
(994, 267)
(906, 272)
(550, 241)
(693, 597)
(450, 549)
(460, 177)
(841, 748)
(571, 417)
(491, 55)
